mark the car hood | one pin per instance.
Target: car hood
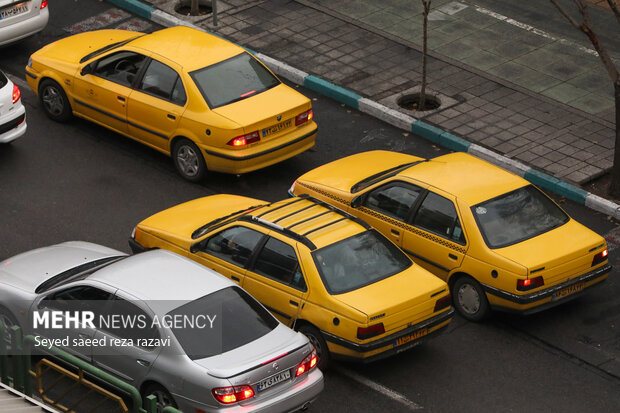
(357, 167)
(28, 270)
(180, 221)
(73, 48)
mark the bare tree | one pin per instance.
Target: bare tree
(195, 8)
(586, 27)
(427, 7)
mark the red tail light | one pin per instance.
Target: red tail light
(367, 332)
(530, 283)
(228, 395)
(43, 4)
(443, 302)
(307, 364)
(600, 257)
(244, 139)
(16, 93)
(304, 117)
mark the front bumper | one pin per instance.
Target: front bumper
(385, 347)
(545, 298)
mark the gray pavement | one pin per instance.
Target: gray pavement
(539, 96)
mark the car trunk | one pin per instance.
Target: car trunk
(14, 11)
(556, 255)
(260, 112)
(399, 300)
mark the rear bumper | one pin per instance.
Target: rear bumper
(546, 298)
(386, 346)
(14, 126)
(24, 28)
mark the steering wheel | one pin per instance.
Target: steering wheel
(125, 65)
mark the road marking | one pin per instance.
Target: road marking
(378, 388)
(104, 19)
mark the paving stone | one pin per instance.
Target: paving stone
(540, 162)
(526, 156)
(541, 150)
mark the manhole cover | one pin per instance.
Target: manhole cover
(412, 102)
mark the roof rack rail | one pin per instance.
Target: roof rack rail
(223, 220)
(285, 231)
(336, 210)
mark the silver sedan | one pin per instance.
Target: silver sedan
(163, 323)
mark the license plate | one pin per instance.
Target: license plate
(19, 9)
(273, 380)
(575, 288)
(410, 337)
(277, 128)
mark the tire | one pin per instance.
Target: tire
(54, 101)
(188, 160)
(163, 396)
(317, 340)
(470, 299)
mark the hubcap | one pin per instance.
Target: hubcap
(52, 100)
(187, 159)
(469, 299)
(163, 400)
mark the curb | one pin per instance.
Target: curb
(397, 119)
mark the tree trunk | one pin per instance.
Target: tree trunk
(614, 186)
(195, 9)
(427, 7)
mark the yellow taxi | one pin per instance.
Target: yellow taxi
(204, 101)
(319, 270)
(498, 241)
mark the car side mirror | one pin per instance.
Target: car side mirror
(87, 70)
(199, 246)
(357, 201)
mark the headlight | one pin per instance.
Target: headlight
(133, 233)
(29, 62)
(291, 190)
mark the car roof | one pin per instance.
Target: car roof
(312, 222)
(469, 178)
(161, 275)
(191, 48)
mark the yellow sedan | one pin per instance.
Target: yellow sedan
(316, 268)
(204, 101)
(496, 239)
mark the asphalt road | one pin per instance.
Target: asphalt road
(78, 181)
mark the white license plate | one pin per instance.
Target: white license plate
(273, 380)
(19, 9)
(277, 128)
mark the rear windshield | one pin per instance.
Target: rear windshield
(3, 80)
(237, 319)
(233, 79)
(517, 216)
(358, 261)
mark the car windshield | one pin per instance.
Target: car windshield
(3, 80)
(231, 319)
(517, 216)
(233, 79)
(358, 261)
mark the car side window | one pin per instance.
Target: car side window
(234, 245)
(393, 200)
(79, 298)
(120, 67)
(161, 81)
(135, 324)
(277, 260)
(438, 215)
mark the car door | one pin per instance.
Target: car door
(228, 251)
(156, 105)
(102, 91)
(74, 300)
(435, 238)
(123, 355)
(276, 280)
(388, 208)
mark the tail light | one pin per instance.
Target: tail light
(600, 257)
(307, 364)
(443, 302)
(367, 332)
(229, 395)
(16, 93)
(43, 4)
(304, 117)
(244, 139)
(530, 283)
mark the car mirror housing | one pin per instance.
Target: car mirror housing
(86, 70)
(357, 201)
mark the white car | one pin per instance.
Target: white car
(20, 19)
(12, 112)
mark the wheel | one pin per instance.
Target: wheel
(54, 101)
(188, 160)
(163, 396)
(317, 340)
(470, 299)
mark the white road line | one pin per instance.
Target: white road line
(379, 388)
(533, 29)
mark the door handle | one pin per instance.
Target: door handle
(295, 303)
(143, 362)
(394, 232)
(120, 98)
(171, 117)
(454, 257)
(82, 335)
(232, 277)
